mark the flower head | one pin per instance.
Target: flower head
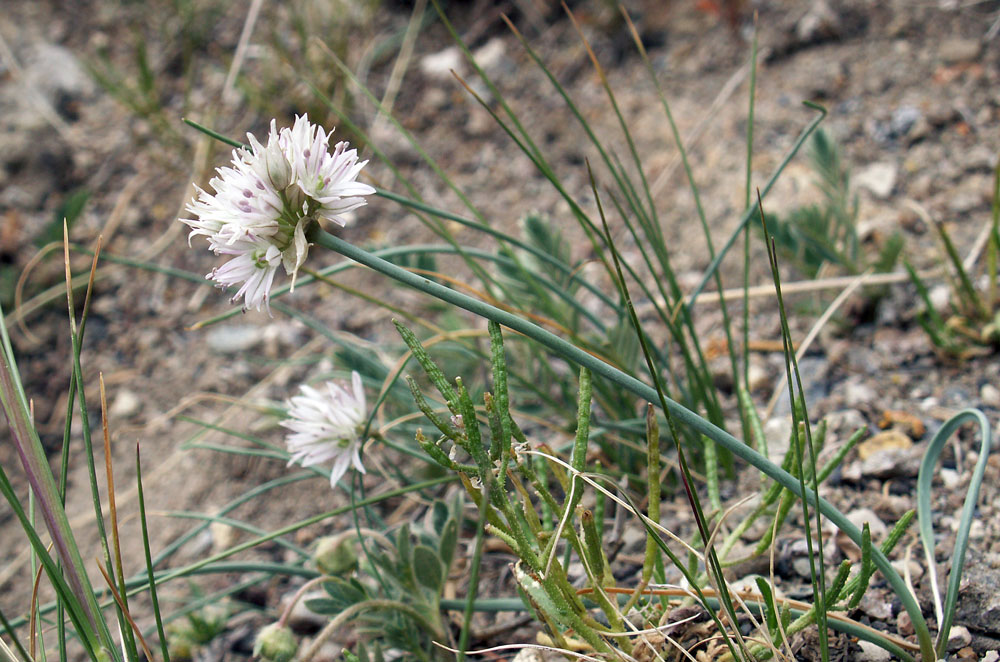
(328, 180)
(326, 424)
(262, 205)
(253, 269)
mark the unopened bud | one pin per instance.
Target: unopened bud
(275, 643)
(335, 557)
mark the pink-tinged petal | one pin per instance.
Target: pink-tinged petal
(326, 424)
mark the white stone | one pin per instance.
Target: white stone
(234, 339)
(990, 395)
(490, 56)
(441, 64)
(126, 404)
(879, 178)
(959, 637)
(939, 295)
(872, 652)
(859, 516)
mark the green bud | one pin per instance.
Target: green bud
(275, 643)
(335, 557)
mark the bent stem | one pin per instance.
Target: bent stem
(683, 415)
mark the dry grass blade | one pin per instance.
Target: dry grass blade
(32, 621)
(112, 506)
(126, 614)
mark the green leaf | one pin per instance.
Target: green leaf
(449, 541)
(427, 567)
(769, 606)
(323, 606)
(344, 592)
(439, 516)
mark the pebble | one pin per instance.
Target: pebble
(802, 568)
(758, 377)
(879, 178)
(939, 295)
(234, 339)
(57, 75)
(875, 605)
(492, 57)
(949, 478)
(125, 405)
(439, 65)
(959, 637)
(872, 652)
(953, 51)
(883, 442)
(861, 515)
(301, 619)
(915, 570)
(857, 394)
(903, 119)
(819, 22)
(981, 158)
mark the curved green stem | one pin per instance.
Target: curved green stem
(683, 415)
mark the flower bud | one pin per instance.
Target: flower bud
(275, 643)
(335, 557)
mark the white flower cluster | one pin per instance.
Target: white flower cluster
(264, 203)
(327, 424)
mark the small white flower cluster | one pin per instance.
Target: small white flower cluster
(264, 203)
(327, 424)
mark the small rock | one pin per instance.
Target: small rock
(879, 178)
(959, 637)
(875, 604)
(979, 158)
(126, 405)
(979, 607)
(758, 377)
(903, 119)
(890, 463)
(845, 421)
(529, 655)
(301, 619)
(872, 652)
(991, 656)
(634, 538)
(909, 423)
(778, 431)
(857, 394)
(223, 536)
(904, 624)
(940, 295)
(819, 22)
(911, 567)
(953, 51)
(440, 65)
(234, 339)
(920, 130)
(949, 478)
(492, 56)
(962, 202)
(802, 568)
(57, 75)
(859, 516)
